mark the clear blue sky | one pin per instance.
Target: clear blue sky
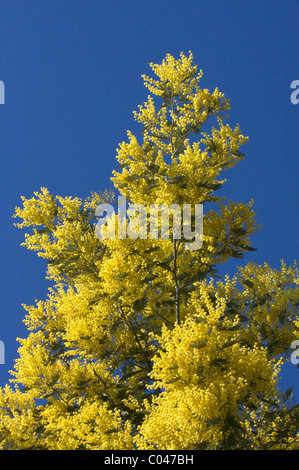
(72, 73)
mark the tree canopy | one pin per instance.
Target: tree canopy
(139, 345)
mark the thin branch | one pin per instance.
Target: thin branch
(131, 327)
(177, 292)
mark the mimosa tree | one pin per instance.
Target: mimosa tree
(139, 345)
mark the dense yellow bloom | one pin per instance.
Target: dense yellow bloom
(206, 372)
(136, 346)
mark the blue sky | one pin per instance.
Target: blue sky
(72, 74)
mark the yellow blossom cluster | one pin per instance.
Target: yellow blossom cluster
(206, 371)
(136, 345)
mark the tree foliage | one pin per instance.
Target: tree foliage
(139, 345)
